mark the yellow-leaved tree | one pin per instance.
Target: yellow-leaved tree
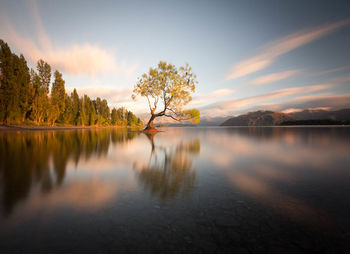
(167, 90)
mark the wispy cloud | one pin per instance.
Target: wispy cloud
(198, 100)
(341, 79)
(225, 107)
(111, 94)
(328, 101)
(341, 68)
(282, 46)
(273, 77)
(220, 93)
(86, 58)
(335, 101)
(310, 97)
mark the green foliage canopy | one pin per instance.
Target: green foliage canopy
(168, 89)
(27, 98)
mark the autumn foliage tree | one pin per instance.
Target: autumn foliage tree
(168, 89)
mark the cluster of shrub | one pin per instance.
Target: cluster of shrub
(29, 97)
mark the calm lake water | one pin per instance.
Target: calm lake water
(249, 190)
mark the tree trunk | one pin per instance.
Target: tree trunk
(150, 126)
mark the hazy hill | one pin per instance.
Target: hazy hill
(307, 114)
(259, 118)
(269, 118)
(205, 121)
(212, 121)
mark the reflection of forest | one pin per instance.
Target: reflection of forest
(38, 158)
(170, 170)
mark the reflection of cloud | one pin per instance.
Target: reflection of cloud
(273, 77)
(76, 59)
(250, 142)
(83, 194)
(282, 46)
(86, 195)
(221, 160)
(258, 161)
(273, 173)
(282, 203)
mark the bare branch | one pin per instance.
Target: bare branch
(172, 117)
(178, 119)
(149, 103)
(172, 110)
(168, 103)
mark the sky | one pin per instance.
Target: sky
(248, 55)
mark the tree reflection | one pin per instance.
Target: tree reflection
(170, 170)
(39, 158)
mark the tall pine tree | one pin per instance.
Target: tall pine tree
(57, 99)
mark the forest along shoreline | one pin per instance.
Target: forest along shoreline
(38, 97)
(35, 127)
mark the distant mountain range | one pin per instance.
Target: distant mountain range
(270, 118)
(259, 118)
(309, 114)
(205, 121)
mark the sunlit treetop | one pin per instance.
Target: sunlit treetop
(168, 89)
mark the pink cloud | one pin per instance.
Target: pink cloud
(198, 100)
(327, 101)
(293, 110)
(86, 58)
(220, 93)
(224, 107)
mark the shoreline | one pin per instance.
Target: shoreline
(48, 128)
(34, 127)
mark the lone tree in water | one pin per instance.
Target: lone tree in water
(168, 89)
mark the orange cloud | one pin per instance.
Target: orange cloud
(282, 46)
